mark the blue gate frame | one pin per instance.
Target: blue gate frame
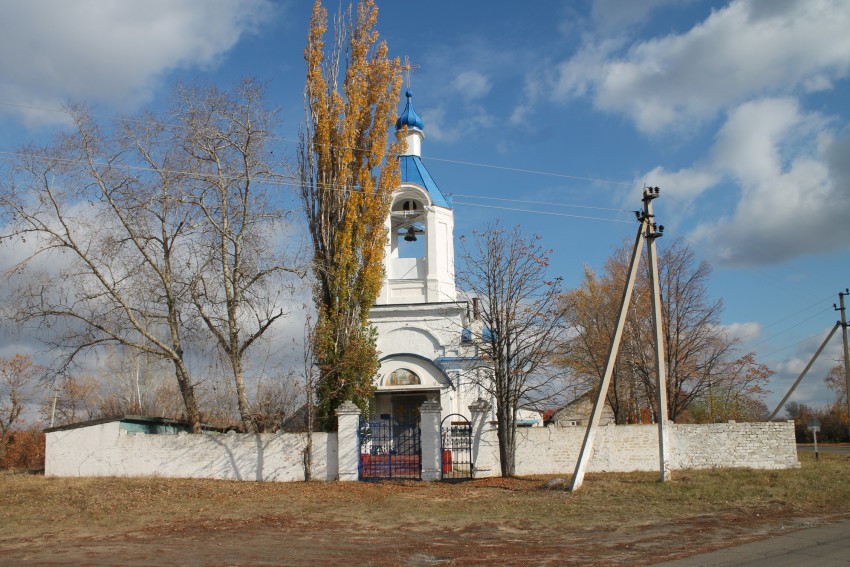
(390, 450)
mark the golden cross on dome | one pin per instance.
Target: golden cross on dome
(407, 68)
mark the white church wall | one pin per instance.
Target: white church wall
(105, 450)
(467, 389)
(626, 448)
(430, 330)
(406, 268)
(408, 340)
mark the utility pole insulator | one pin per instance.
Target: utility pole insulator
(655, 231)
(650, 193)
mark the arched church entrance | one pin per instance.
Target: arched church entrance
(402, 393)
(390, 439)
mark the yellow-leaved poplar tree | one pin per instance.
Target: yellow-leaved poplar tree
(347, 180)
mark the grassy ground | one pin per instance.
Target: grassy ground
(614, 518)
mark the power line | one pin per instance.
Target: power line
(294, 182)
(807, 339)
(296, 141)
(548, 204)
(550, 213)
(718, 256)
(532, 171)
(290, 181)
(770, 338)
(761, 329)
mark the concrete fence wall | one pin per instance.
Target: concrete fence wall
(104, 449)
(626, 448)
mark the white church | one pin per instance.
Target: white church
(425, 334)
(426, 341)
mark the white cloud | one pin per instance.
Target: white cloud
(472, 84)
(111, 51)
(793, 178)
(614, 15)
(749, 48)
(795, 186)
(685, 183)
(440, 126)
(743, 331)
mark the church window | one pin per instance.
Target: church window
(404, 377)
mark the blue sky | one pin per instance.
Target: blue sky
(738, 110)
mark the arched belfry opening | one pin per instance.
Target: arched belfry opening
(409, 228)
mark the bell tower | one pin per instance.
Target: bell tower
(419, 259)
(425, 357)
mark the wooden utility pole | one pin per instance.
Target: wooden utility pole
(846, 348)
(648, 230)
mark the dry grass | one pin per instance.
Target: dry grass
(34, 506)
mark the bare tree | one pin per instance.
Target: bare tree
(154, 232)
(129, 380)
(77, 398)
(17, 375)
(107, 215)
(697, 346)
(590, 313)
(309, 396)
(276, 400)
(837, 382)
(239, 289)
(521, 323)
(734, 392)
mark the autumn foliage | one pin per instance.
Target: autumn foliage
(346, 186)
(708, 379)
(24, 450)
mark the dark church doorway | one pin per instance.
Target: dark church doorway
(405, 407)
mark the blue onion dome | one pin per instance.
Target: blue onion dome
(409, 117)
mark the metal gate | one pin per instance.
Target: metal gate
(457, 448)
(390, 450)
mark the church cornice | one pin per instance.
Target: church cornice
(438, 307)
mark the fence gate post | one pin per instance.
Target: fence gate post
(479, 410)
(430, 426)
(348, 442)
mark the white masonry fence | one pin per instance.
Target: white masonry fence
(104, 449)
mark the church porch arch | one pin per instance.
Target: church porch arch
(404, 382)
